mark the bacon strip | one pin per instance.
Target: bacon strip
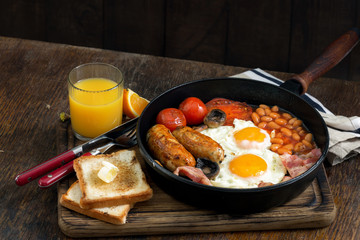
(297, 165)
(286, 178)
(265, 184)
(195, 174)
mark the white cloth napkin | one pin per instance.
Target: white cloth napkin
(344, 131)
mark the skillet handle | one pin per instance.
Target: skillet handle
(331, 56)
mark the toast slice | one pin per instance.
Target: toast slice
(129, 186)
(115, 215)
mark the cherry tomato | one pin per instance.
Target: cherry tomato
(194, 110)
(171, 118)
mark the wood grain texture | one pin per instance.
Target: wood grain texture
(315, 25)
(23, 19)
(75, 22)
(258, 36)
(33, 91)
(354, 68)
(329, 58)
(163, 214)
(275, 35)
(134, 26)
(196, 30)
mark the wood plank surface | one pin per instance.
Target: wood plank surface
(275, 35)
(135, 26)
(75, 22)
(22, 18)
(163, 214)
(354, 67)
(316, 24)
(259, 34)
(196, 30)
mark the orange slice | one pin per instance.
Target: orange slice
(133, 103)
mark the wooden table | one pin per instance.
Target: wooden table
(33, 91)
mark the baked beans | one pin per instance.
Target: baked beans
(260, 111)
(286, 131)
(281, 121)
(255, 118)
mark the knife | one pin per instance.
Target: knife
(65, 157)
(51, 178)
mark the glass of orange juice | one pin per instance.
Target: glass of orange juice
(95, 99)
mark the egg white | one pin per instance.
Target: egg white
(241, 124)
(224, 135)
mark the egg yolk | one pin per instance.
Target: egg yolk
(250, 134)
(248, 165)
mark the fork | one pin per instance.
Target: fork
(126, 140)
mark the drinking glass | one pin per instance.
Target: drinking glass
(95, 99)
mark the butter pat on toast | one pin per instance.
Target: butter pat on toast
(115, 215)
(129, 185)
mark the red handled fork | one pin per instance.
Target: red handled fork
(116, 135)
(125, 141)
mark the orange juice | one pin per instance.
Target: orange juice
(95, 106)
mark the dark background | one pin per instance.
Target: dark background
(278, 35)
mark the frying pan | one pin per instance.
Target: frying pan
(254, 93)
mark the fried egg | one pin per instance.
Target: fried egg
(248, 159)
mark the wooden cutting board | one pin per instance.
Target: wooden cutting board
(163, 214)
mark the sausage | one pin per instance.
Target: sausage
(198, 144)
(167, 149)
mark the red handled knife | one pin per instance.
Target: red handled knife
(51, 178)
(63, 158)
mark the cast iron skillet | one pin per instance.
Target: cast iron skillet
(254, 93)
